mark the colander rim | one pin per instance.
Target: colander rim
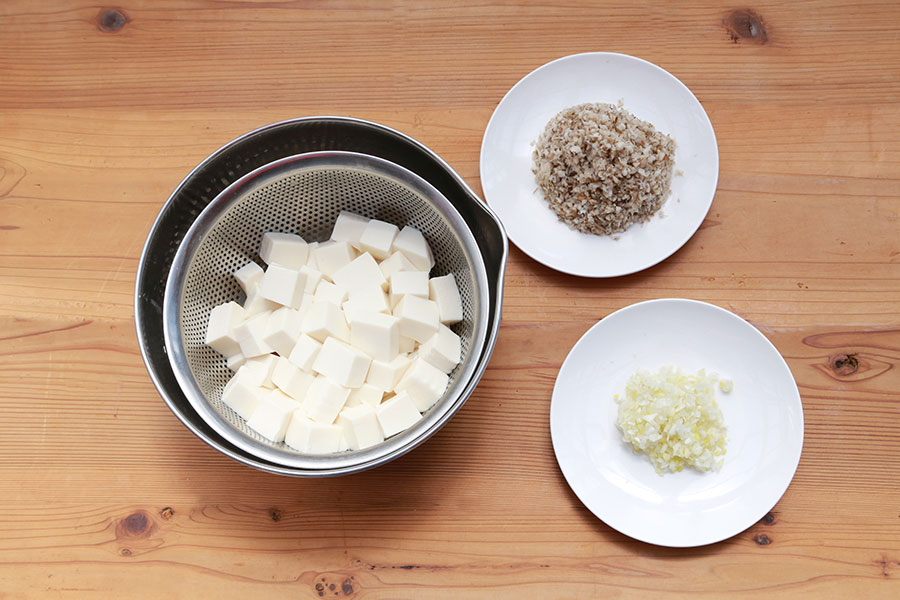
(343, 462)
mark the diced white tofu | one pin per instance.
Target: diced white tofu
(386, 375)
(445, 293)
(282, 285)
(291, 380)
(220, 328)
(235, 361)
(442, 350)
(250, 335)
(272, 415)
(324, 319)
(285, 249)
(313, 277)
(256, 304)
(363, 300)
(419, 318)
(342, 363)
(361, 426)
(424, 383)
(344, 444)
(308, 436)
(242, 394)
(395, 262)
(329, 292)
(324, 400)
(412, 283)
(283, 329)
(407, 345)
(397, 414)
(262, 369)
(349, 228)
(249, 276)
(376, 334)
(311, 259)
(361, 272)
(305, 352)
(332, 256)
(377, 238)
(366, 394)
(413, 245)
(373, 295)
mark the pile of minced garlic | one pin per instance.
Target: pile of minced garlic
(673, 418)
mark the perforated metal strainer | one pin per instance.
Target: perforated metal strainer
(304, 194)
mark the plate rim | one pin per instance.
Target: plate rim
(780, 489)
(582, 272)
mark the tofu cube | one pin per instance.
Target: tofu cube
(305, 352)
(367, 299)
(361, 272)
(424, 383)
(395, 262)
(407, 345)
(291, 380)
(366, 394)
(283, 285)
(249, 276)
(235, 361)
(397, 414)
(323, 320)
(386, 375)
(220, 328)
(377, 238)
(313, 277)
(413, 245)
(324, 400)
(361, 426)
(242, 394)
(445, 293)
(308, 436)
(376, 334)
(285, 249)
(250, 335)
(412, 283)
(283, 329)
(374, 296)
(273, 415)
(256, 304)
(442, 350)
(329, 292)
(311, 259)
(262, 369)
(419, 318)
(342, 363)
(332, 256)
(349, 228)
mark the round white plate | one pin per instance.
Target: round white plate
(648, 92)
(763, 414)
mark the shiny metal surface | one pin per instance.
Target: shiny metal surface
(264, 146)
(303, 194)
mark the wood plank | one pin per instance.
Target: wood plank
(103, 110)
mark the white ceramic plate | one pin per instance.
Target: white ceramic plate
(648, 92)
(763, 414)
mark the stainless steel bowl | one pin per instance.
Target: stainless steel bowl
(266, 146)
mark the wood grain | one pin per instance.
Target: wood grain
(103, 109)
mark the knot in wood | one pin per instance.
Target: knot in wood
(136, 525)
(744, 24)
(111, 20)
(844, 364)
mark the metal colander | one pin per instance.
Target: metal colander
(304, 194)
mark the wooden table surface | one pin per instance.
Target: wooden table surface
(103, 110)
